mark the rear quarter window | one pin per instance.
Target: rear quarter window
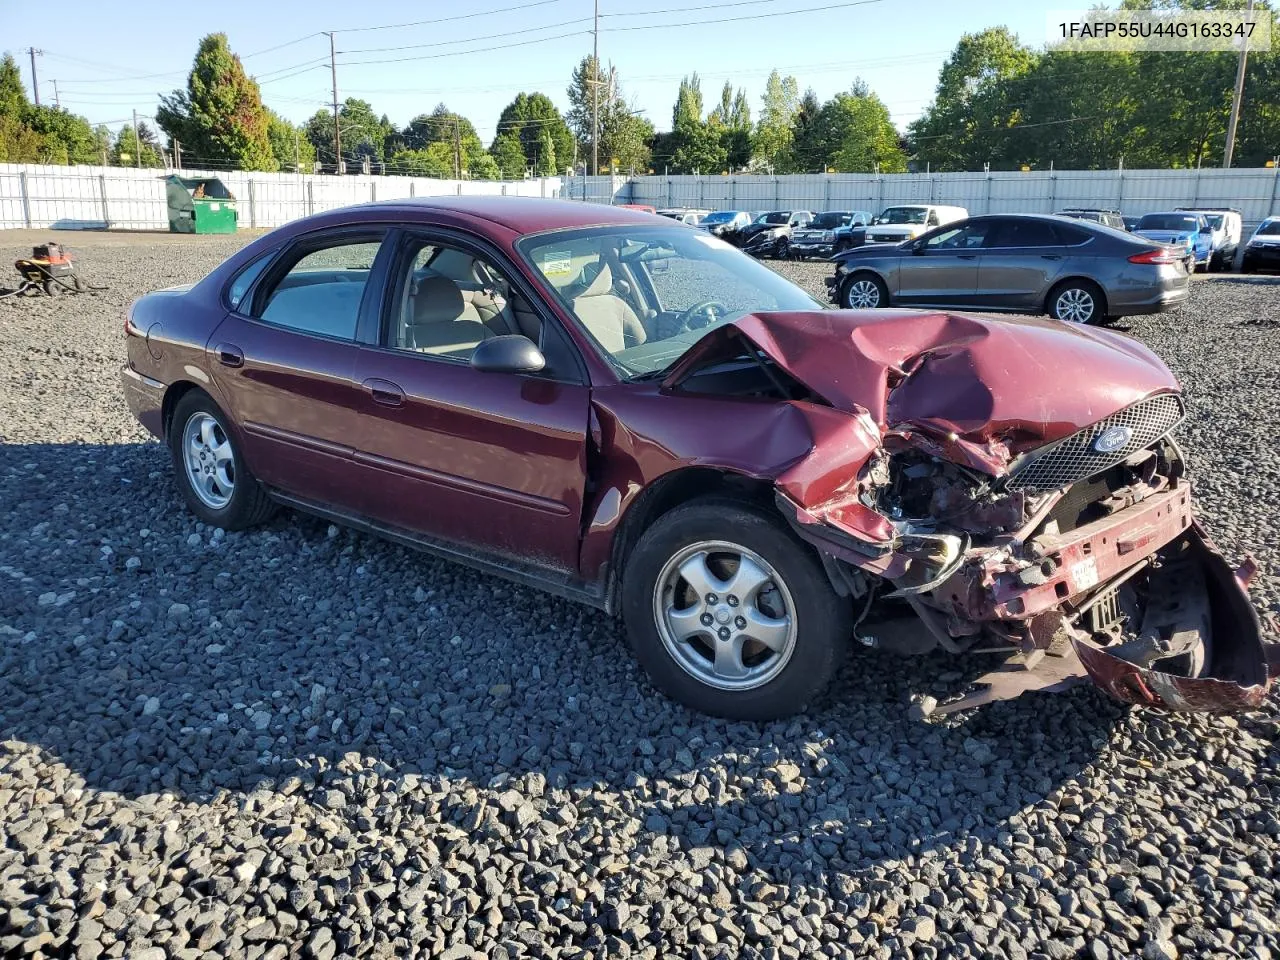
(242, 281)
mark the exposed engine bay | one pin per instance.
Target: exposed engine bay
(1048, 528)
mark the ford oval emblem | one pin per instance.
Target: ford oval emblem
(1112, 439)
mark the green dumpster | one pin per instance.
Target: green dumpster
(200, 205)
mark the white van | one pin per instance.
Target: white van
(905, 221)
(1226, 226)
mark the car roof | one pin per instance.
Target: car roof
(521, 214)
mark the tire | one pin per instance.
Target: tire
(230, 496)
(859, 289)
(784, 249)
(1066, 302)
(787, 599)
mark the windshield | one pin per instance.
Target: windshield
(1270, 228)
(720, 216)
(778, 216)
(647, 293)
(1214, 220)
(904, 215)
(829, 221)
(1167, 221)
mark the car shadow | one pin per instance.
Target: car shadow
(150, 654)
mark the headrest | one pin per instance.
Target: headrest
(438, 300)
(601, 283)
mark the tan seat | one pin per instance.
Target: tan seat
(443, 322)
(607, 316)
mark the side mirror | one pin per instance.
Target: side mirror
(917, 247)
(508, 354)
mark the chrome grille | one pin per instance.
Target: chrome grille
(1073, 459)
(885, 237)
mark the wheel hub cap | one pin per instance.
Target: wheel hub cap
(209, 460)
(1075, 306)
(724, 615)
(863, 294)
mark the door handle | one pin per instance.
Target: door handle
(385, 392)
(967, 256)
(229, 355)
(1050, 256)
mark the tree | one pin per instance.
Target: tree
(64, 137)
(544, 155)
(695, 145)
(220, 116)
(509, 156)
(810, 149)
(527, 117)
(624, 135)
(125, 153)
(292, 151)
(867, 140)
(435, 160)
(977, 102)
(688, 108)
(779, 105)
(13, 95)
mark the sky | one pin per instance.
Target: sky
(405, 56)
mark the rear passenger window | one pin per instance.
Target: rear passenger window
(321, 292)
(1025, 233)
(244, 280)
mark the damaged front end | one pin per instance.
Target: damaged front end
(1042, 516)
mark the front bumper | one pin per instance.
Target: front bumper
(806, 249)
(762, 246)
(1261, 258)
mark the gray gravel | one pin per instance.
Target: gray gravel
(305, 742)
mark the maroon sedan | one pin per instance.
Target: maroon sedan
(635, 415)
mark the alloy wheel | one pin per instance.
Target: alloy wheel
(724, 615)
(1075, 305)
(863, 295)
(209, 459)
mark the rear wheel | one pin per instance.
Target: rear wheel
(863, 291)
(1077, 301)
(211, 473)
(730, 614)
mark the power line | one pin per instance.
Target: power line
(461, 16)
(459, 53)
(489, 36)
(753, 16)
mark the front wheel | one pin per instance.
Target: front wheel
(730, 614)
(784, 249)
(211, 473)
(1076, 301)
(863, 291)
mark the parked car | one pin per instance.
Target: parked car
(1226, 227)
(1073, 270)
(905, 221)
(1108, 218)
(828, 233)
(1130, 223)
(724, 223)
(636, 416)
(770, 234)
(684, 215)
(1188, 231)
(1262, 252)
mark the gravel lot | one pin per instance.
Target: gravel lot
(306, 742)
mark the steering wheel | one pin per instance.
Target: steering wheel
(702, 315)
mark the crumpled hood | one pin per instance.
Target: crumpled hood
(983, 390)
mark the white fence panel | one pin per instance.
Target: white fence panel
(124, 198)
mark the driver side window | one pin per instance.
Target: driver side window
(968, 237)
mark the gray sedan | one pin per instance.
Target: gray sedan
(1074, 270)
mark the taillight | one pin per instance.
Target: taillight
(1159, 255)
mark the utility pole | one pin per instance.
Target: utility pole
(35, 82)
(337, 134)
(1239, 95)
(137, 144)
(595, 91)
(177, 154)
(457, 149)
(57, 100)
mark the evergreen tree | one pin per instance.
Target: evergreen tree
(509, 156)
(219, 116)
(527, 117)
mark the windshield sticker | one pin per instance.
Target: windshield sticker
(556, 263)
